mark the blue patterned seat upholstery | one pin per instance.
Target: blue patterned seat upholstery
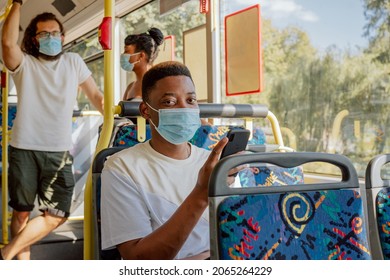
(126, 136)
(263, 176)
(291, 221)
(378, 198)
(295, 225)
(383, 220)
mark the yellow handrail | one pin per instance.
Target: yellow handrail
(6, 10)
(4, 158)
(275, 128)
(4, 146)
(104, 139)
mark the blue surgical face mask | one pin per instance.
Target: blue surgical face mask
(177, 125)
(50, 45)
(125, 61)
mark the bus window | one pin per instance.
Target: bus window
(89, 49)
(174, 22)
(316, 68)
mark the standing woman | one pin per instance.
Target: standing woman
(140, 52)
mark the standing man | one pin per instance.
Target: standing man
(47, 82)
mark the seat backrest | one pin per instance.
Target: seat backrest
(378, 200)
(305, 221)
(270, 175)
(126, 135)
(97, 168)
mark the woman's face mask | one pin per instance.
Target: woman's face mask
(125, 61)
(177, 125)
(50, 45)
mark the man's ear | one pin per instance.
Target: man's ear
(144, 110)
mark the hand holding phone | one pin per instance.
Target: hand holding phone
(238, 140)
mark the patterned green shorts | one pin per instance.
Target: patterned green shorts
(44, 175)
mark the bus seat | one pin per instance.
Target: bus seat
(378, 200)
(258, 136)
(264, 176)
(97, 167)
(126, 135)
(119, 123)
(305, 221)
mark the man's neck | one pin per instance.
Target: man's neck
(49, 57)
(180, 152)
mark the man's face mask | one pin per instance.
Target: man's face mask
(177, 125)
(50, 45)
(125, 61)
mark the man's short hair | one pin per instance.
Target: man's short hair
(160, 71)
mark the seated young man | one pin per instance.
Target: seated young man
(154, 194)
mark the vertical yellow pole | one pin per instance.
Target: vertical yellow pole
(4, 145)
(275, 128)
(4, 158)
(89, 234)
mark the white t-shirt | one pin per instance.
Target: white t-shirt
(47, 92)
(142, 188)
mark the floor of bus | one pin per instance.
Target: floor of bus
(64, 243)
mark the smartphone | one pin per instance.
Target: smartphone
(238, 140)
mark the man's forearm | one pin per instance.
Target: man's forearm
(10, 34)
(166, 241)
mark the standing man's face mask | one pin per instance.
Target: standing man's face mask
(50, 45)
(177, 125)
(125, 61)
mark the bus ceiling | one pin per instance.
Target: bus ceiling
(77, 16)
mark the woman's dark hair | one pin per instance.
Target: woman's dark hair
(147, 42)
(29, 45)
(161, 71)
